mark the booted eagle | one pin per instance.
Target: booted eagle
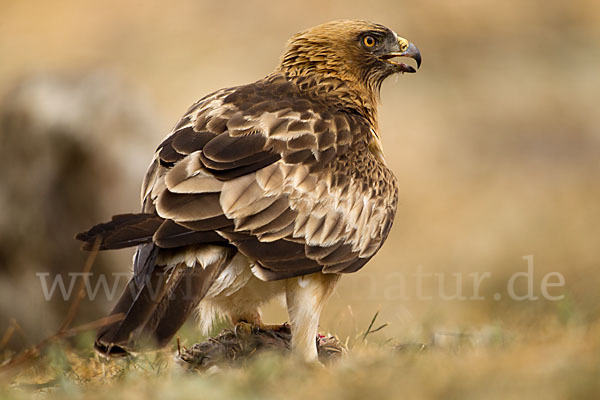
(273, 188)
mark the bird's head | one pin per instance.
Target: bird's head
(358, 52)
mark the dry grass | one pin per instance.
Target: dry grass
(557, 364)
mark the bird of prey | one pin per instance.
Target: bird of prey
(273, 188)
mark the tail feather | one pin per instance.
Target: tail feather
(159, 297)
(190, 288)
(155, 307)
(124, 230)
(128, 230)
(137, 303)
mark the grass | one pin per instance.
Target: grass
(559, 362)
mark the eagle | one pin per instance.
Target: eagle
(275, 188)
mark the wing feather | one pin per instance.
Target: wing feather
(284, 220)
(188, 207)
(230, 149)
(277, 235)
(286, 179)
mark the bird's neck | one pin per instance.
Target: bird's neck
(346, 94)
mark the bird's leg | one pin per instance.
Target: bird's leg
(305, 298)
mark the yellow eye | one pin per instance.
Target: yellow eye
(369, 41)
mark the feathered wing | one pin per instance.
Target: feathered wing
(289, 181)
(286, 180)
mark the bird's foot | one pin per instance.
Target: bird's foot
(244, 328)
(248, 328)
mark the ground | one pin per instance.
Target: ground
(554, 361)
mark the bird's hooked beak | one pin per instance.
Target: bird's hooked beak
(405, 49)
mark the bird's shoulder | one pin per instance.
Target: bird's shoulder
(295, 120)
(238, 130)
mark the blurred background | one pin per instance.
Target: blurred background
(495, 142)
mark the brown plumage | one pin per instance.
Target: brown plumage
(274, 187)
